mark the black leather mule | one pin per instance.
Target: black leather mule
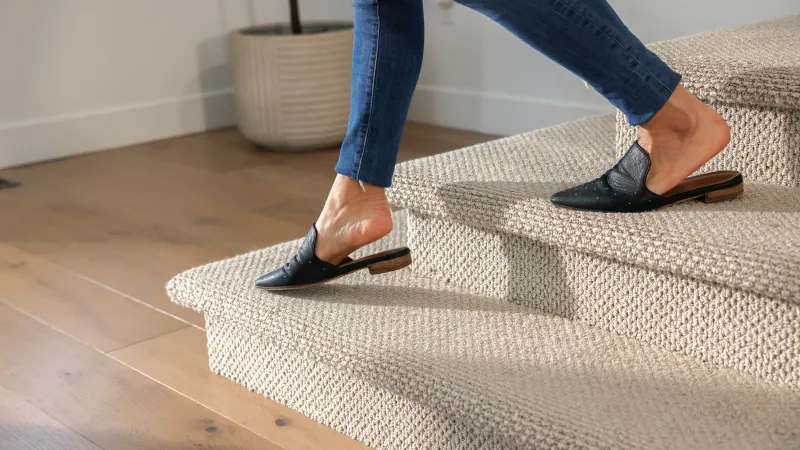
(306, 270)
(624, 188)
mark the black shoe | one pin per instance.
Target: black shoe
(306, 270)
(623, 188)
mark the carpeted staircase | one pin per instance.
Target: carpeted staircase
(521, 325)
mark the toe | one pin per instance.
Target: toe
(564, 198)
(595, 196)
(276, 278)
(574, 197)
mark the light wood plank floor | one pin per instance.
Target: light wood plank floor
(92, 353)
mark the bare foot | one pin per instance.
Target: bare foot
(352, 218)
(680, 138)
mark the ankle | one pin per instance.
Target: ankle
(348, 195)
(346, 189)
(678, 120)
(352, 217)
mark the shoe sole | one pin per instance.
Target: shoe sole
(722, 195)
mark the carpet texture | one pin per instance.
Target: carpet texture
(751, 75)
(516, 377)
(713, 323)
(750, 244)
(348, 404)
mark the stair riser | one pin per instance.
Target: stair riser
(722, 326)
(342, 401)
(765, 143)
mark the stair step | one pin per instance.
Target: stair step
(714, 281)
(400, 361)
(751, 75)
(715, 324)
(347, 403)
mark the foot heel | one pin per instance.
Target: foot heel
(390, 266)
(724, 194)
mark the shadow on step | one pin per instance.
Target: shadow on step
(564, 378)
(501, 368)
(383, 295)
(493, 199)
(489, 215)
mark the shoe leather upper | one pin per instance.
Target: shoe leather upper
(622, 189)
(303, 268)
(629, 175)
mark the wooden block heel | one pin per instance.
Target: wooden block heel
(723, 194)
(391, 265)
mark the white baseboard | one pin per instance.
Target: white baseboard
(493, 112)
(57, 137)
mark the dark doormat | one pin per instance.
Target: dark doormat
(7, 184)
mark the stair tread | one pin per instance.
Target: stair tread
(757, 64)
(751, 243)
(525, 377)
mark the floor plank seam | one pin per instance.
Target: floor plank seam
(166, 333)
(129, 297)
(215, 411)
(48, 325)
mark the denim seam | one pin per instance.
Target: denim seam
(613, 39)
(372, 88)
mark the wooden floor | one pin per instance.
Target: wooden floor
(92, 353)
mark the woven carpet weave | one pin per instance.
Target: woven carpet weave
(515, 376)
(708, 321)
(751, 244)
(346, 403)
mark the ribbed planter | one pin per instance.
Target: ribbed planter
(293, 91)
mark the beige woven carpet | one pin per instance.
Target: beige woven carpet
(505, 372)
(713, 323)
(349, 404)
(751, 75)
(751, 244)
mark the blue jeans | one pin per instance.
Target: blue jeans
(585, 36)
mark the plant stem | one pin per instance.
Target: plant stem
(295, 10)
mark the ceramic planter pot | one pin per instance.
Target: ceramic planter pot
(293, 91)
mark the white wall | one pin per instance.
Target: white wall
(478, 76)
(85, 75)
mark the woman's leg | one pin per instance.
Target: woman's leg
(387, 57)
(588, 38)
